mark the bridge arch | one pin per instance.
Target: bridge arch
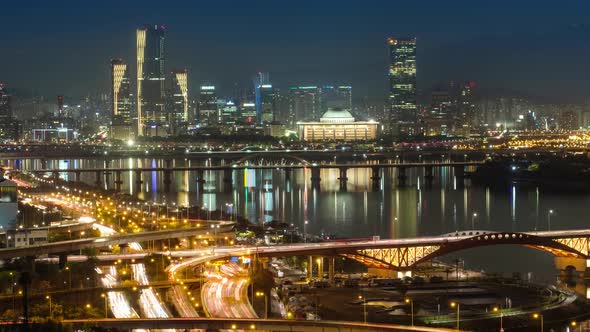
(270, 159)
(408, 257)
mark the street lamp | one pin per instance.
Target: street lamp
(305, 231)
(574, 324)
(50, 308)
(408, 300)
(260, 294)
(364, 308)
(215, 228)
(106, 311)
(540, 317)
(69, 277)
(458, 306)
(473, 216)
(499, 309)
(549, 214)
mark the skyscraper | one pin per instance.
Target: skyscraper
(5, 109)
(151, 115)
(402, 83)
(120, 91)
(9, 126)
(267, 104)
(265, 98)
(177, 107)
(336, 97)
(305, 104)
(259, 80)
(208, 114)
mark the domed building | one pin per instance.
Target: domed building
(337, 125)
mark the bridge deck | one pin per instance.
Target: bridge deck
(245, 324)
(254, 166)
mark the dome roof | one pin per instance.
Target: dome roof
(337, 115)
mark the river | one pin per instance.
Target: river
(394, 211)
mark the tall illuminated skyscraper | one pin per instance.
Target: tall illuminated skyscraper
(151, 115)
(178, 103)
(265, 99)
(402, 82)
(120, 90)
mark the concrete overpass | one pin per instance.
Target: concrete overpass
(64, 247)
(278, 325)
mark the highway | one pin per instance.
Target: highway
(225, 294)
(149, 302)
(102, 242)
(278, 325)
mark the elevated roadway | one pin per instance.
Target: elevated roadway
(257, 166)
(406, 253)
(101, 242)
(278, 325)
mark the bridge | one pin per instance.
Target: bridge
(220, 324)
(406, 254)
(62, 247)
(45, 151)
(255, 162)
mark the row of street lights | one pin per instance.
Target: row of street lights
(550, 213)
(457, 306)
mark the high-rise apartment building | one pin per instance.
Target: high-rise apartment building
(151, 115)
(402, 83)
(207, 106)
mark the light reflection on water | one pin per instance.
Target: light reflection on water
(393, 211)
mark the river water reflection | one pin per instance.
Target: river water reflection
(393, 211)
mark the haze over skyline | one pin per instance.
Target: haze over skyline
(536, 47)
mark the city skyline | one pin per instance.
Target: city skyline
(331, 49)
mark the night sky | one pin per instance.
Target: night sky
(541, 48)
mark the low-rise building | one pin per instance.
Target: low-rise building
(26, 237)
(337, 125)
